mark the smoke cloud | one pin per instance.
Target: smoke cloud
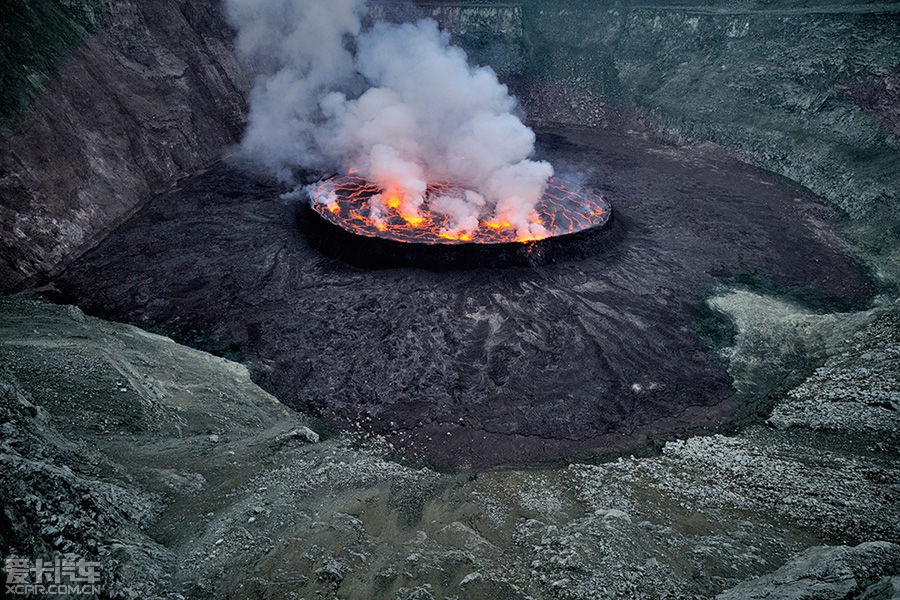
(397, 103)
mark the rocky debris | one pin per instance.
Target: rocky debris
(828, 573)
(593, 557)
(252, 517)
(332, 571)
(57, 500)
(554, 103)
(888, 588)
(419, 593)
(493, 35)
(721, 506)
(857, 389)
(880, 95)
(87, 468)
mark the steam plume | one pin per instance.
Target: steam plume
(395, 102)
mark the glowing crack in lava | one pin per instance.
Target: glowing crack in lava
(367, 209)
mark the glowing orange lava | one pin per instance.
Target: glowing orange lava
(346, 201)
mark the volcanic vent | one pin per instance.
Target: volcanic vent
(367, 209)
(373, 216)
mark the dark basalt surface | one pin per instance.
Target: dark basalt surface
(481, 367)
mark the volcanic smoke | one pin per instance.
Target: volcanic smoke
(394, 105)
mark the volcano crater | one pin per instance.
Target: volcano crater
(480, 367)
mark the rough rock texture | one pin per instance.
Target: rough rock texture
(808, 91)
(49, 509)
(778, 341)
(105, 425)
(154, 95)
(829, 574)
(36, 39)
(848, 394)
(183, 477)
(481, 367)
(494, 35)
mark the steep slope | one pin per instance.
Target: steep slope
(807, 89)
(153, 95)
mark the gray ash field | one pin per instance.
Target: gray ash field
(482, 367)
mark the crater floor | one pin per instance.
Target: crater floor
(481, 367)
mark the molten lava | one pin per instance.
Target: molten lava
(367, 209)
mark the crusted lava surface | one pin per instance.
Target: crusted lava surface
(337, 221)
(346, 201)
(377, 253)
(481, 367)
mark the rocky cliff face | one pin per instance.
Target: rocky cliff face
(154, 94)
(806, 89)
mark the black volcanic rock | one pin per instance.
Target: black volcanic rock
(481, 367)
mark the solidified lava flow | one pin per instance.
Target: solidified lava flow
(367, 209)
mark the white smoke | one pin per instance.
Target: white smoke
(396, 102)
